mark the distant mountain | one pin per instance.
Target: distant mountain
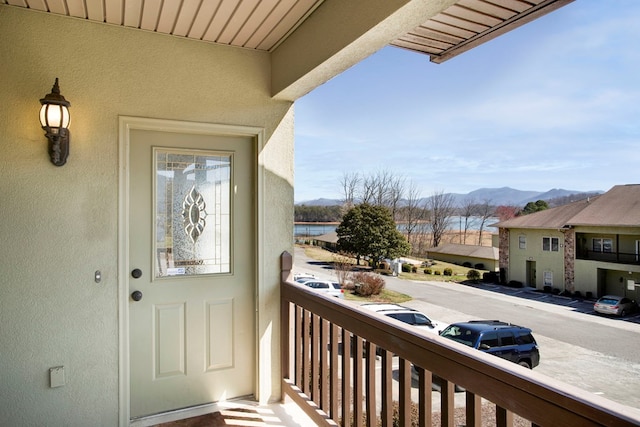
(320, 202)
(495, 196)
(508, 196)
(558, 193)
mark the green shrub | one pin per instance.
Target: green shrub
(479, 266)
(473, 275)
(406, 268)
(437, 272)
(514, 284)
(490, 277)
(448, 272)
(428, 271)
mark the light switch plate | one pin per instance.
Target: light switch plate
(56, 376)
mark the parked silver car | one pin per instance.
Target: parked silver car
(616, 305)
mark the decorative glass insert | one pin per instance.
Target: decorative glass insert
(193, 212)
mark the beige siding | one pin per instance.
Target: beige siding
(545, 261)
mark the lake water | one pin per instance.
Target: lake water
(320, 228)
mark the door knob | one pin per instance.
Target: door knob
(136, 273)
(136, 295)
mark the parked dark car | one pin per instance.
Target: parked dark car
(511, 342)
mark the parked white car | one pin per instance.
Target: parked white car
(325, 286)
(407, 315)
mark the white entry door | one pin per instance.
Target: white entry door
(192, 270)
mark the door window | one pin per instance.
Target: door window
(193, 212)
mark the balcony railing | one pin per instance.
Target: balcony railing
(330, 354)
(614, 257)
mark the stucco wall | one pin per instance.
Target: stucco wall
(544, 260)
(602, 278)
(60, 225)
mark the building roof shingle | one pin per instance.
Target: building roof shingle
(486, 252)
(618, 207)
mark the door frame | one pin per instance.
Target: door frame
(125, 125)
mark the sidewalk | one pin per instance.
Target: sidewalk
(558, 304)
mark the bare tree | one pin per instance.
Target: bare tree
(423, 228)
(342, 266)
(441, 210)
(484, 211)
(467, 212)
(506, 212)
(395, 193)
(412, 213)
(383, 189)
(349, 183)
(369, 189)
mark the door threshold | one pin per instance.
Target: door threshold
(193, 411)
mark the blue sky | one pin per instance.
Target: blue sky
(552, 104)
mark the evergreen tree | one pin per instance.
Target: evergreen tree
(368, 230)
(532, 207)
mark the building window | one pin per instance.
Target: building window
(550, 244)
(603, 245)
(522, 242)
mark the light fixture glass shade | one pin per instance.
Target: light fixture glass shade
(54, 116)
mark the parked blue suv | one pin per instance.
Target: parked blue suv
(501, 339)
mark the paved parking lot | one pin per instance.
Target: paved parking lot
(613, 377)
(577, 305)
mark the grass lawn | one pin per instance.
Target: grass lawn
(385, 296)
(319, 254)
(459, 275)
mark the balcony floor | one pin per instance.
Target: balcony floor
(232, 413)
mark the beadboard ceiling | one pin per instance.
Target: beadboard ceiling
(264, 24)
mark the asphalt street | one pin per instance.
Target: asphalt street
(596, 353)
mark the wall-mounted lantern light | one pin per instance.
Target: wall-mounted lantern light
(54, 118)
